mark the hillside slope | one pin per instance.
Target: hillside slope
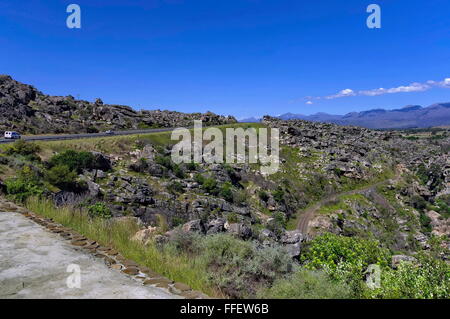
(27, 110)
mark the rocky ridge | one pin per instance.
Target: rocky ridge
(27, 110)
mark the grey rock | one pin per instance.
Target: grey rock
(194, 226)
(216, 226)
(397, 259)
(292, 237)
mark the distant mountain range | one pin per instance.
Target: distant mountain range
(411, 116)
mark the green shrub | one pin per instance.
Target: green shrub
(226, 192)
(75, 161)
(425, 222)
(443, 208)
(21, 189)
(418, 202)
(62, 177)
(210, 186)
(345, 259)
(26, 149)
(278, 195)
(239, 268)
(185, 242)
(429, 280)
(306, 284)
(278, 224)
(239, 197)
(192, 166)
(263, 196)
(27, 183)
(100, 210)
(175, 187)
(165, 161)
(178, 171)
(232, 218)
(199, 178)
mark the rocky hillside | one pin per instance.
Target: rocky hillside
(388, 192)
(25, 109)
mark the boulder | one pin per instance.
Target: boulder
(215, 226)
(239, 229)
(397, 259)
(101, 161)
(292, 237)
(266, 234)
(143, 236)
(195, 226)
(93, 188)
(294, 250)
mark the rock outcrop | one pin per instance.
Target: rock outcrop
(27, 110)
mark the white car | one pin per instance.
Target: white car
(11, 135)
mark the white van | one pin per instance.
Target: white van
(11, 135)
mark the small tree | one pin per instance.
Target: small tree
(62, 177)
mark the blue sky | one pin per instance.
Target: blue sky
(246, 57)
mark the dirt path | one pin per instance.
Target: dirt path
(308, 214)
(33, 264)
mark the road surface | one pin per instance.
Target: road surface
(84, 135)
(33, 264)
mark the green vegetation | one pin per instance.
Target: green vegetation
(62, 177)
(26, 184)
(25, 149)
(345, 259)
(175, 187)
(226, 192)
(99, 210)
(428, 280)
(73, 160)
(307, 284)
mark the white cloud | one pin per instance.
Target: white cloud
(309, 102)
(413, 87)
(343, 93)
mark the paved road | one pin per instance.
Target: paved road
(33, 264)
(84, 135)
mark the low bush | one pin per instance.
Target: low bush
(210, 186)
(226, 192)
(178, 171)
(345, 259)
(75, 161)
(175, 187)
(278, 195)
(62, 177)
(306, 284)
(27, 183)
(165, 161)
(99, 210)
(199, 178)
(239, 268)
(20, 189)
(263, 196)
(26, 149)
(429, 280)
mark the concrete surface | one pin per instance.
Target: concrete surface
(33, 264)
